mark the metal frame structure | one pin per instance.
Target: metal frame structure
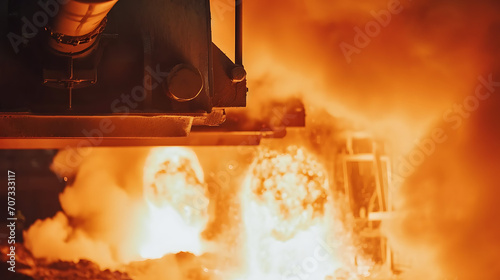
(380, 204)
(58, 88)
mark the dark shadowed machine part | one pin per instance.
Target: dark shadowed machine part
(123, 73)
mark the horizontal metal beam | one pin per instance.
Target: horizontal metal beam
(41, 126)
(380, 216)
(194, 139)
(24, 131)
(29, 131)
(363, 157)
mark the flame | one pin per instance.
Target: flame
(174, 191)
(289, 216)
(398, 86)
(294, 189)
(291, 226)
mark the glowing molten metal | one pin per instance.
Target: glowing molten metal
(288, 214)
(174, 190)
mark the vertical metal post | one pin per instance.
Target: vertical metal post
(379, 179)
(238, 52)
(148, 88)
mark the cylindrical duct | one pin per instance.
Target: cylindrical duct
(78, 23)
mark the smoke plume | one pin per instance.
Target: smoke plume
(401, 83)
(102, 213)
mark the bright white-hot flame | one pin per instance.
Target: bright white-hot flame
(288, 218)
(174, 191)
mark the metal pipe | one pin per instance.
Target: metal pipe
(77, 20)
(238, 32)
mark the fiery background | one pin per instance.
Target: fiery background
(401, 86)
(418, 74)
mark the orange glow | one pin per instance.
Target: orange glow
(175, 194)
(113, 222)
(291, 225)
(293, 188)
(402, 88)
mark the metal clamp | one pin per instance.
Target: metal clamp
(77, 40)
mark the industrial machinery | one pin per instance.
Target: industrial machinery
(365, 173)
(109, 72)
(79, 73)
